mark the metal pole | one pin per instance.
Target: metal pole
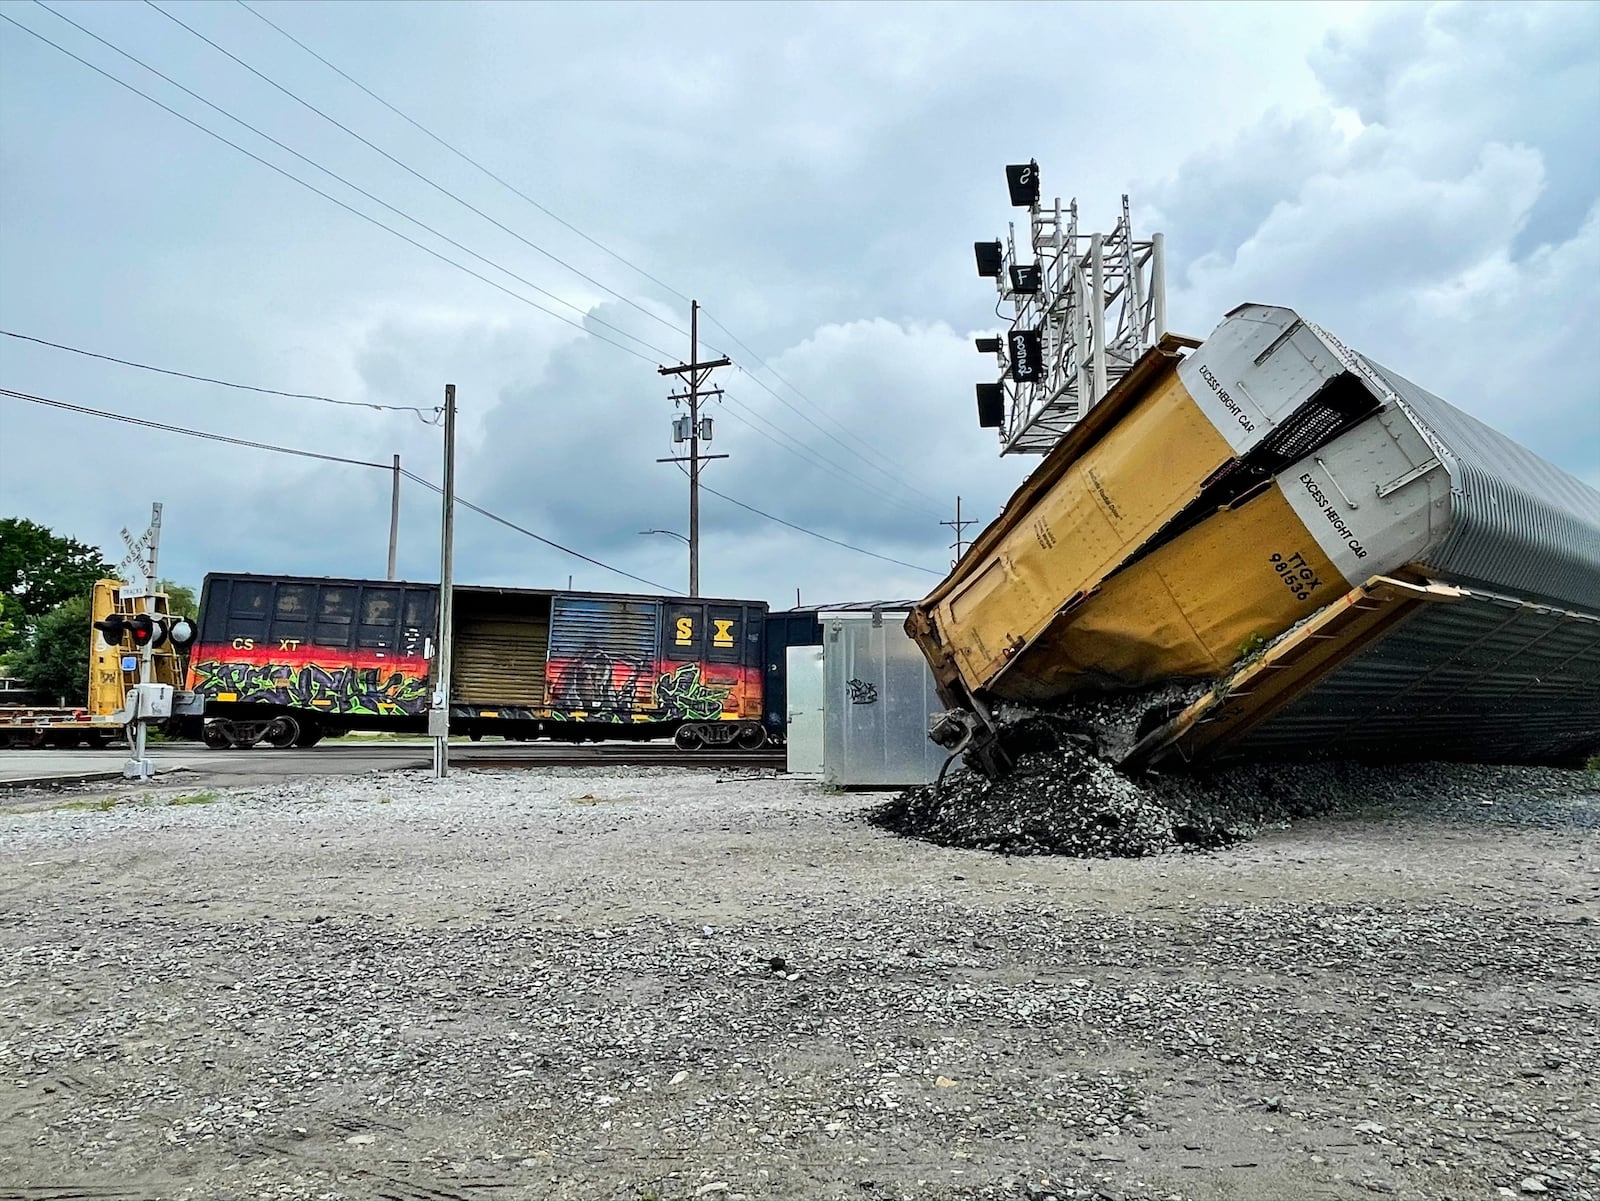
(140, 768)
(1097, 315)
(394, 517)
(694, 448)
(439, 715)
(1158, 286)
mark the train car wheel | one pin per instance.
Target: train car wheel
(688, 738)
(282, 733)
(310, 734)
(217, 735)
(751, 738)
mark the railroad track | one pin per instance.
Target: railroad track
(633, 757)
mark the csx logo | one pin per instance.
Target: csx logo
(721, 632)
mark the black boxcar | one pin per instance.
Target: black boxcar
(292, 658)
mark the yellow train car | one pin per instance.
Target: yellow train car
(1214, 501)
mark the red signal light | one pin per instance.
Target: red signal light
(141, 629)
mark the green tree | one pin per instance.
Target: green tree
(55, 658)
(39, 571)
(181, 600)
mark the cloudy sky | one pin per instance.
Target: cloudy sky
(1421, 179)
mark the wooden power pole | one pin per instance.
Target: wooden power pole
(960, 544)
(692, 431)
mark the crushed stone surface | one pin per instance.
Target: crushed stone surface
(1065, 797)
(665, 984)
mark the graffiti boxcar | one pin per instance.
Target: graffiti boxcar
(289, 660)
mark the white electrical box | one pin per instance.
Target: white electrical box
(150, 700)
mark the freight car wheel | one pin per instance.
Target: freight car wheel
(310, 734)
(751, 738)
(282, 733)
(217, 735)
(688, 738)
(96, 740)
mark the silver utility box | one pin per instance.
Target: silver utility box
(878, 694)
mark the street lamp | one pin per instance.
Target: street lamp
(669, 533)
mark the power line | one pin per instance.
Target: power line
(467, 504)
(367, 217)
(312, 454)
(335, 175)
(410, 170)
(467, 158)
(813, 533)
(889, 471)
(807, 456)
(189, 433)
(427, 415)
(586, 237)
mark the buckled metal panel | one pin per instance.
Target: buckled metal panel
(1485, 678)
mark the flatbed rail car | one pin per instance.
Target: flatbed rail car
(1214, 503)
(289, 660)
(54, 726)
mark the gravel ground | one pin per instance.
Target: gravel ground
(575, 984)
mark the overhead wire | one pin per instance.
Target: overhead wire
(374, 221)
(860, 550)
(251, 444)
(188, 432)
(465, 157)
(889, 471)
(391, 208)
(467, 504)
(265, 78)
(430, 416)
(892, 468)
(347, 183)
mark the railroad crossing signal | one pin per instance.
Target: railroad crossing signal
(143, 630)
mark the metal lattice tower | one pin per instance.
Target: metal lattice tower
(1095, 302)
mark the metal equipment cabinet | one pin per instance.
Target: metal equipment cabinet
(878, 693)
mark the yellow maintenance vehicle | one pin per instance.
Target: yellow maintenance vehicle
(1347, 563)
(114, 668)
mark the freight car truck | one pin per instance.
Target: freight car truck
(289, 660)
(1363, 567)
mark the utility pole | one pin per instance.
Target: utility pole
(960, 544)
(394, 517)
(691, 431)
(439, 712)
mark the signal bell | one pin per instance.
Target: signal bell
(989, 258)
(1023, 182)
(991, 406)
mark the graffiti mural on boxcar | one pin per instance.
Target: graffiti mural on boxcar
(597, 683)
(683, 692)
(369, 689)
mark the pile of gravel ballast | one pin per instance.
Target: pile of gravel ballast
(1067, 800)
(1064, 802)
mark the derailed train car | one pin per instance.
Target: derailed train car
(291, 659)
(1366, 569)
